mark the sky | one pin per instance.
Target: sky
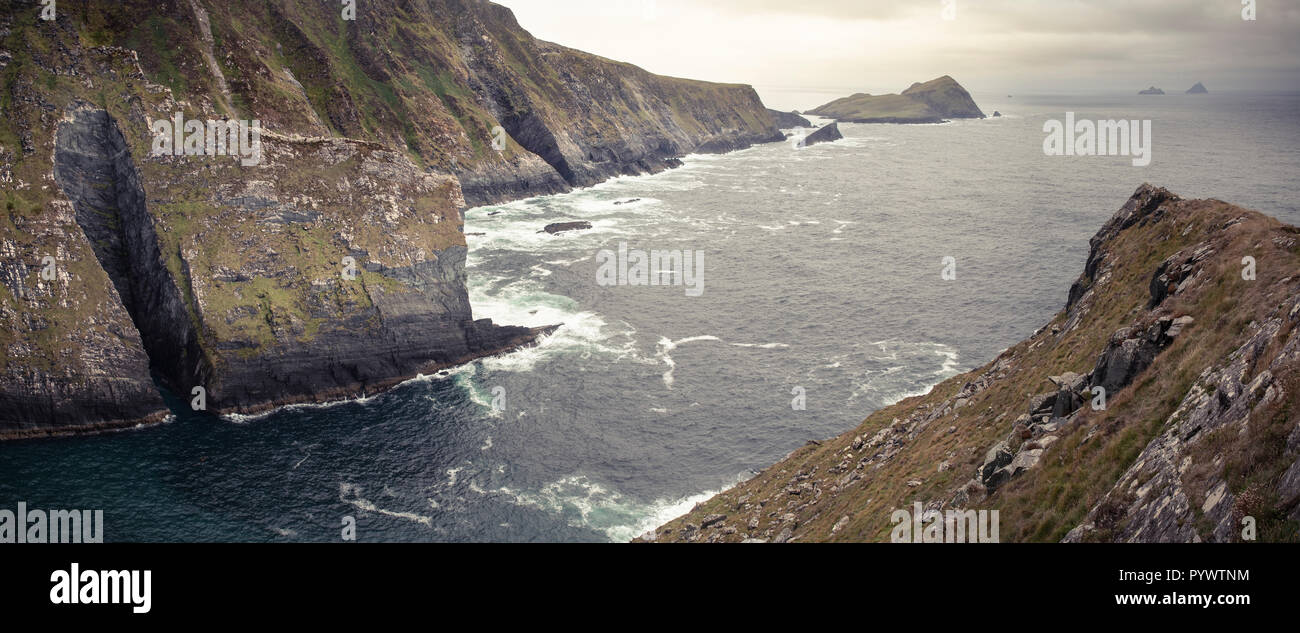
(801, 53)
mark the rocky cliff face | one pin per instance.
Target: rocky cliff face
(825, 134)
(929, 102)
(330, 265)
(456, 85)
(1162, 404)
(788, 120)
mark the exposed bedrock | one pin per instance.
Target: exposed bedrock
(420, 328)
(826, 134)
(788, 120)
(93, 167)
(203, 271)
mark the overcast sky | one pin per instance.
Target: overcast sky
(801, 53)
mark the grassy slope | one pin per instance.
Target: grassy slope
(911, 104)
(47, 329)
(1045, 503)
(398, 77)
(865, 106)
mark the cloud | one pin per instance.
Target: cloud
(829, 46)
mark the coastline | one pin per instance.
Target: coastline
(323, 398)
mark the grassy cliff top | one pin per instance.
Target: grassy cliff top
(924, 449)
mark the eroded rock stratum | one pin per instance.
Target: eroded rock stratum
(125, 269)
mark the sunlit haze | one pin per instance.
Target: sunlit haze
(800, 54)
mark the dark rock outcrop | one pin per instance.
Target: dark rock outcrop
(824, 134)
(1151, 91)
(94, 169)
(788, 120)
(1198, 89)
(1194, 438)
(560, 227)
(334, 265)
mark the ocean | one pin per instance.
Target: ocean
(821, 300)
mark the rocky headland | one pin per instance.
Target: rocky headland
(334, 264)
(1161, 404)
(788, 120)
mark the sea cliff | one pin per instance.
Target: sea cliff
(1161, 404)
(330, 262)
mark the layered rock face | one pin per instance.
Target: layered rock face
(457, 85)
(787, 120)
(929, 102)
(331, 261)
(1162, 404)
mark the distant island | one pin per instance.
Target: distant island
(1198, 89)
(929, 102)
(1151, 91)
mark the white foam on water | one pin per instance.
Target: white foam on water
(464, 378)
(892, 398)
(904, 373)
(591, 205)
(241, 418)
(351, 494)
(566, 262)
(949, 368)
(591, 505)
(525, 303)
(526, 234)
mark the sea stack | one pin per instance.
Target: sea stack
(1151, 91)
(826, 134)
(1198, 89)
